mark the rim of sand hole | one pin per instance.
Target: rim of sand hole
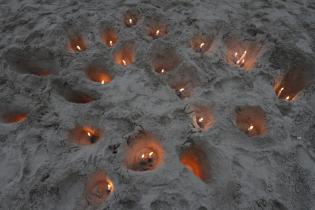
(144, 153)
(195, 159)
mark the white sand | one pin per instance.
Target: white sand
(40, 169)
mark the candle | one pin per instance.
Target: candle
(240, 60)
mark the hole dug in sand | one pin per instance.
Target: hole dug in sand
(156, 28)
(98, 188)
(35, 61)
(109, 36)
(164, 58)
(98, 74)
(13, 116)
(144, 153)
(243, 54)
(195, 159)
(201, 43)
(202, 117)
(77, 97)
(131, 18)
(125, 54)
(85, 135)
(183, 81)
(76, 43)
(251, 120)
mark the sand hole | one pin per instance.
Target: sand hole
(202, 117)
(156, 29)
(85, 135)
(35, 61)
(77, 43)
(243, 54)
(125, 54)
(251, 120)
(98, 74)
(78, 97)
(109, 36)
(131, 18)
(195, 159)
(201, 43)
(300, 72)
(98, 188)
(144, 153)
(13, 117)
(164, 58)
(183, 81)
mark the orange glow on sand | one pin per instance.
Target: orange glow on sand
(126, 54)
(77, 44)
(14, 117)
(98, 74)
(85, 135)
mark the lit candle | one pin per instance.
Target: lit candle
(110, 43)
(78, 47)
(240, 60)
(202, 44)
(124, 62)
(130, 20)
(162, 71)
(181, 89)
(287, 98)
(280, 91)
(251, 127)
(102, 82)
(157, 32)
(200, 119)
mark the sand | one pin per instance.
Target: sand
(44, 168)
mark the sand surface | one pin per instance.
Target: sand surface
(42, 166)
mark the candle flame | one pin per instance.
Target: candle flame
(241, 60)
(287, 98)
(78, 47)
(202, 44)
(280, 91)
(181, 90)
(103, 82)
(200, 119)
(109, 187)
(251, 127)
(150, 154)
(130, 20)
(157, 32)
(142, 156)
(89, 134)
(110, 43)
(124, 62)
(162, 71)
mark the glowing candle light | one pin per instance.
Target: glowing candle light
(181, 89)
(251, 127)
(124, 62)
(110, 43)
(287, 98)
(280, 91)
(150, 154)
(202, 44)
(102, 82)
(200, 119)
(130, 20)
(143, 156)
(157, 32)
(109, 187)
(89, 134)
(78, 47)
(162, 71)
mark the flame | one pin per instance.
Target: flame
(251, 127)
(162, 71)
(110, 43)
(150, 154)
(157, 32)
(287, 98)
(109, 187)
(280, 91)
(143, 156)
(200, 119)
(240, 60)
(130, 20)
(181, 89)
(124, 62)
(89, 134)
(202, 44)
(102, 82)
(78, 47)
